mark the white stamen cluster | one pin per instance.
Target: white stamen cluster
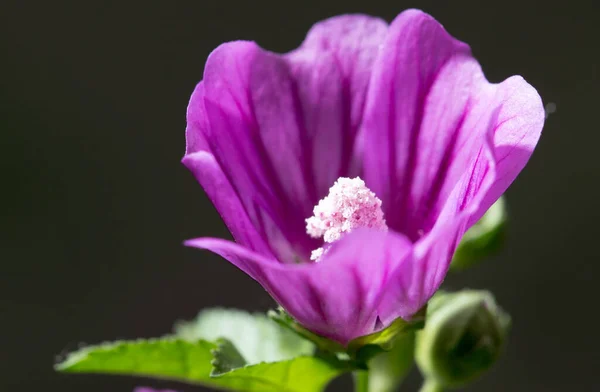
(349, 205)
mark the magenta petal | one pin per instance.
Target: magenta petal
(512, 130)
(254, 136)
(332, 69)
(219, 190)
(426, 118)
(282, 127)
(416, 102)
(200, 161)
(337, 297)
(350, 44)
(197, 123)
(410, 288)
(516, 131)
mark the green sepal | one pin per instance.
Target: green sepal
(385, 338)
(281, 317)
(226, 358)
(390, 368)
(366, 352)
(360, 350)
(483, 239)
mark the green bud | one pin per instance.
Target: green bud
(483, 238)
(463, 337)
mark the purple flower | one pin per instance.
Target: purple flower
(406, 108)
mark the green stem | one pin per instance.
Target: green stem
(431, 386)
(361, 381)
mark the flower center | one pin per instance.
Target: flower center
(348, 206)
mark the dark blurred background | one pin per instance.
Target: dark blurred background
(95, 203)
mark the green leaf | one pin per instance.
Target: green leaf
(166, 358)
(301, 374)
(257, 338)
(177, 359)
(483, 239)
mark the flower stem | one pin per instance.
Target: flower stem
(361, 381)
(431, 386)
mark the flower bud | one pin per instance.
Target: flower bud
(483, 238)
(463, 336)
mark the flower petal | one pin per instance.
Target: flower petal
(512, 131)
(433, 252)
(220, 192)
(200, 161)
(427, 113)
(349, 44)
(428, 110)
(336, 297)
(331, 70)
(197, 123)
(410, 289)
(516, 131)
(415, 107)
(253, 134)
(282, 127)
